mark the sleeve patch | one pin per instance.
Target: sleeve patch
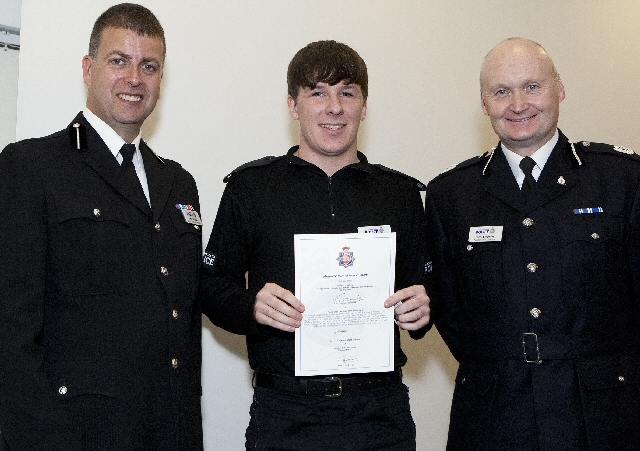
(209, 260)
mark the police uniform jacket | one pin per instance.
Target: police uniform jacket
(544, 320)
(264, 204)
(99, 326)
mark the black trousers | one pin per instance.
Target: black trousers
(370, 420)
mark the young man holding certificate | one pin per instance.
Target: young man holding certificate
(323, 189)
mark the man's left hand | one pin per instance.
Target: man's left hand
(412, 311)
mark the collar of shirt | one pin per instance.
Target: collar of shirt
(540, 156)
(362, 165)
(113, 141)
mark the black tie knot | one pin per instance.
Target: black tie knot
(527, 164)
(127, 151)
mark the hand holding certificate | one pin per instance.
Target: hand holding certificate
(343, 281)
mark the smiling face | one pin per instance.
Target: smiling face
(124, 79)
(329, 120)
(521, 93)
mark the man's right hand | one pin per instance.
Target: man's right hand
(278, 308)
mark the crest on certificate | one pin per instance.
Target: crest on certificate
(345, 258)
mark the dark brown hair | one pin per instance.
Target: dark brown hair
(328, 62)
(130, 17)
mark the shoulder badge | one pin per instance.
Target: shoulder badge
(465, 164)
(255, 163)
(449, 168)
(623, 150)
(606, 148)
(421, 186)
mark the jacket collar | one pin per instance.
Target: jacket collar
(363, 165)
(93, 152)
(558, 175)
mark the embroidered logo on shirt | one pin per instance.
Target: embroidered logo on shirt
(209, 260)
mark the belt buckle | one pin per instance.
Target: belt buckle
(537, 361)
(333, 379)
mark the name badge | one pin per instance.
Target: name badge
(375, 229)
(191, 217)
(485, 233)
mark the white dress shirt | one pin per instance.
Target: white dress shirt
(114, 142)
(540, 156)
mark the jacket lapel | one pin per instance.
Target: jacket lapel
(556, 178)
(99, 158)
(500, 182)
(160, 177)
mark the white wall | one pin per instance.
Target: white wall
(9, 17)
(8, 94)
(224, 103)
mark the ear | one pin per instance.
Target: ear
(484, 105)
(293, 107)
(87, 61)
(364, 110)
(561, 92)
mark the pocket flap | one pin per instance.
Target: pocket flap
(75, 378)
(605, 372)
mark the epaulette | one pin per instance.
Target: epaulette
(484, 159)
(602, 148)
(252, 164)
(421, 186)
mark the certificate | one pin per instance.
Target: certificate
(343, 281)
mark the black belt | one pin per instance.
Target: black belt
(534, 348)
(330, 386)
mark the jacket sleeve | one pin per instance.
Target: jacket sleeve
(442, 282)
(31, 416)
(410, 265)
(634, 260)
(223, 293)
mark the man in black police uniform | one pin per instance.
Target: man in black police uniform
(537, 288)
(324, 185)
(99, 324)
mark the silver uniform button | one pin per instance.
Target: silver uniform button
(561, 181)
(164, 271)
(595, 236)
(532, 267)
(63, 390)
(96, 212)
(469, 247)
(621, 378)
(157, 227)
(174, 363)
(175, 314)
(535, 312)
(528, 223)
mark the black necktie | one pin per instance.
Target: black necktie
(527, 164)
(127, 152)
(129, 170)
